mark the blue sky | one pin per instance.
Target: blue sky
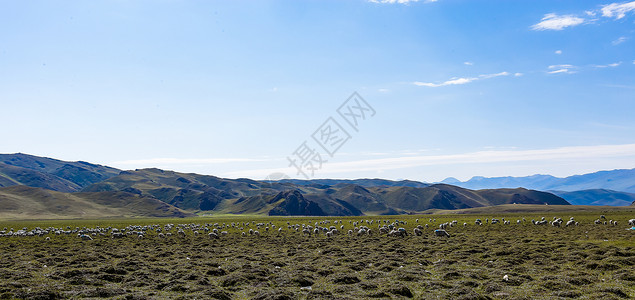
(234, 88)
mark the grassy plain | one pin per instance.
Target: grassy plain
(588, 261)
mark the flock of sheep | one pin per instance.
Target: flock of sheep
(326, 228)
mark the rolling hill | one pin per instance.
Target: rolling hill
(194, 192)
(23, 202)
(52, 174)
(36, 187)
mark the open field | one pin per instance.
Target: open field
(588, 261)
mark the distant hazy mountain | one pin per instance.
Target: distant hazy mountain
(52, 174)
(616, 180)
(597, 197)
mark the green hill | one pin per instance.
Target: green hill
(194, 192)
(52, 174)
(23, 202)
(36, 185)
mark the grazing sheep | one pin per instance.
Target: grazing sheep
(441, 233)
(417, 232)
(631, 222)
(212, 235)
(85, 237)
(569, 223)
(48, 238)
(397, 233)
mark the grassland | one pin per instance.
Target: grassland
(588, 261)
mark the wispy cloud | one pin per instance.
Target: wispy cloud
(555, 22)
(618, 41)
(479, 157)
(617, 10)
(558, 52)
(459, 81)
(468, 63)
(613, 65)
(559, 69)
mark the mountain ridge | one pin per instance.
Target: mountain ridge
(621, 180)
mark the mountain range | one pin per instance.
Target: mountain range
(38, 187)
(615, 180)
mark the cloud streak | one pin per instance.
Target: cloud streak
(620, 40)
(613, 65)
(555, 22)
(561, 69)
(460, 80)
(617, 11)
(479, 157)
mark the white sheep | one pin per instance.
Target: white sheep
(417, 232)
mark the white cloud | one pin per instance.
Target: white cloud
(617, 10)
(383, 90)
(459, 81)
(544, 156)
(558, 52)
(613, 65)
(553, 21)
(620, 40)
(518, 74)
(557, 69)
(468, 63)
(556, 22)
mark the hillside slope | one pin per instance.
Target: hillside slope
(194, 192)
(48, 173)
(23, 202)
